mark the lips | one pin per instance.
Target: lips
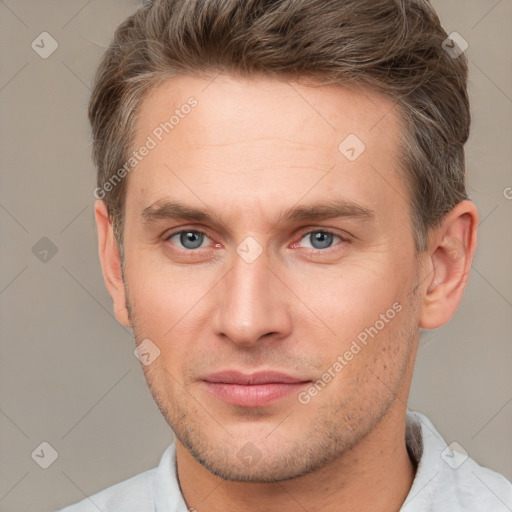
(252, 390)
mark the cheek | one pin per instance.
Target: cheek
(363, 373)
(352, 297)
(161, 293)
(366, 323)
(168, 305)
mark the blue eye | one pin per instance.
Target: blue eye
(189, 239)
(320, 239)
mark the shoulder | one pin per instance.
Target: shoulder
(157, 487)
(154, 489)
(447, 478)
(133, 494)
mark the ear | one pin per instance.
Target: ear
(111, 263)
(451, 249)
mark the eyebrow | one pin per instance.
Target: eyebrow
(337, 208)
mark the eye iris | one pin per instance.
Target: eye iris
(191, 239)
(321, 240)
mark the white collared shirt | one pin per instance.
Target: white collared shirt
(446, 480)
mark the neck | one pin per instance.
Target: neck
(376, 474)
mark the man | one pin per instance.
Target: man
(281, 208)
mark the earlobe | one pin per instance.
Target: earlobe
(451, 250)
(111, 263)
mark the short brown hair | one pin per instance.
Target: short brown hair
(393, 47)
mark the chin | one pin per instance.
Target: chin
(272, 463)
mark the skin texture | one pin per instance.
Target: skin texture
(250, 150)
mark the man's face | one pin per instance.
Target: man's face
(264, 285)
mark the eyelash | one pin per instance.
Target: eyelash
(343, 240)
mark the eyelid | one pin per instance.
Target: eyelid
(199, 228)
(171, 233)
(346, 237)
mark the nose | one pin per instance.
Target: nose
(252, 305)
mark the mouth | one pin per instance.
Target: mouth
(252, 390)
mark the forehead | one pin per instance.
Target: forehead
(266, 139)
(268, 108)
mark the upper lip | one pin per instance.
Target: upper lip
(247, 379)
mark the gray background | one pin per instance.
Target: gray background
(68, 375)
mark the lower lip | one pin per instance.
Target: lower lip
(256, 395)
